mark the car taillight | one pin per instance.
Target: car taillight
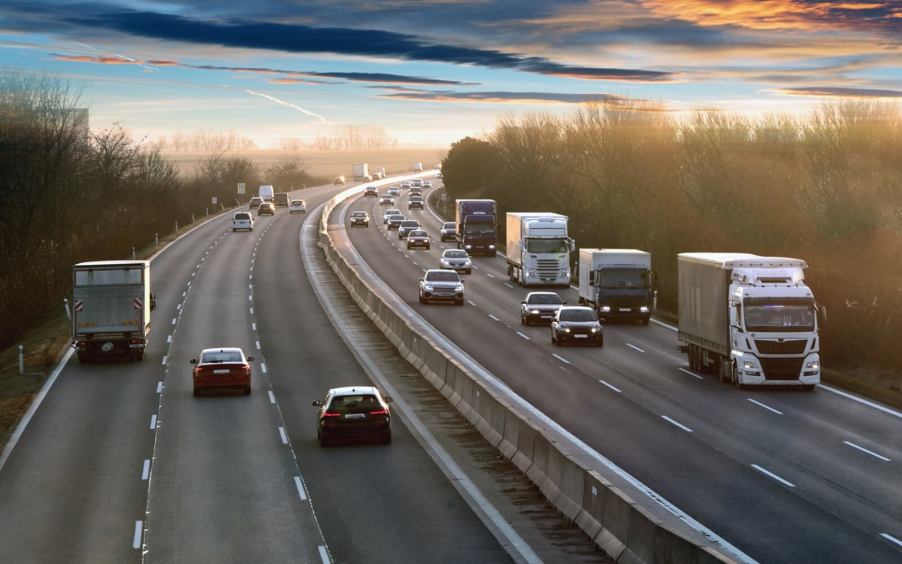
(331, 414)
(379, 412)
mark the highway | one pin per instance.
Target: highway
(786, 476)
(122, 464)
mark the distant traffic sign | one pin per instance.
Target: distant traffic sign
(241, 188)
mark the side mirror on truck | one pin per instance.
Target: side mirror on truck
(821, 311)
(153, 302)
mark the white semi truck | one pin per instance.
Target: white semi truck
(752, 320)
(111, 305)
(617, 283)
(538, 249)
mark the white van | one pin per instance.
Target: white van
(242, 220)
(267, 192)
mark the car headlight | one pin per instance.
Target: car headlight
(428, 288)
(566, 329)
(468, 246)
(491, 246)
(534, 311)
(643, 309)
(813, 365)
(443, 262)
(606, 309)
(596, 329)
(459, 288)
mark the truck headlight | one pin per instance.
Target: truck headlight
(750, 367)
(643, 309)
(534, 311)
(596, 329)
(468, 247)
(813, 365)
(605, 309)
(491, 246)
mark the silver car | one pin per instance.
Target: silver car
(456, 259)
(407, 226)
(540, 307)
(389, 212)
(441, 285)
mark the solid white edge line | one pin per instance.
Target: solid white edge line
(282, 435)
(471, 302)
(634, 347)
(689, 372)
(767, 407)
(559, 357)
(613, 387)
(676, 423)
(524, 336)
(272, 396)
(872, 453)
(665, 325)
(145, 471)
(493, 317)
(153, 422)
(774, 476)
(891, 538)
(139, 529)
(324, 555)
(852, 397)
(160, 387)
(300, 487)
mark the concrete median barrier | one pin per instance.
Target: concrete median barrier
(621, 517)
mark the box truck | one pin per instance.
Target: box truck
(267, 192)
(750, 319)
(617, 283)
(418, 167)
(359, 171)
(111, 305)
(476, 226)
(538, 248)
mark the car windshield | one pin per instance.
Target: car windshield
(358, 214)
(218, 357)
(456, 254)
(544, 299)
(776, 314)
(547, 245)
(361, 403)
(449, 226)
(624, 278)
(416, 199)
(256, 200)
(392, 212)
(441, 276)
(297, 202)
(419, 234)
(578, 315)
(480, 229)
(410, 223)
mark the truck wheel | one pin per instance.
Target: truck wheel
(84, 357)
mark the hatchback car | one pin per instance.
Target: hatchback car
(370, 192)
(297, 206)
(360, 218)
(394, 221)
(388, 212)
(394, 191)
(576, 324)
(242, 220)
(427, 184)
(416, 191)
(266, 208)
(419, 238)
(405, 184)
(415, 202)
(539, 307)
(456, 259)
(353, 411)
(255, 202)
(407, 226)
(386, 200)
(220, 369)
(449, 231)
(441, 285)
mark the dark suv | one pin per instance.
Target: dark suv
(576, 324)
(353, 411)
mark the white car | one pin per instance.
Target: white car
(389, 212)
(297, 206)
(242, 220)
(393, 191)
(427, 184)
(416, 183)
(456, 259)
(441, 285)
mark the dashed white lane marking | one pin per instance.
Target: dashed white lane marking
(471, 302)
(489, 274)
(634, 347)
(145, 472)
(772, 475)
(165, 358)
(615, 388)
(263, 367)
(258, 345)
(169, 339)
(160, 387)
(689, 372)
(476, 267)
(252, 310)
(877, 406)
(872, 453)
(250, 297)
(508, 284)
(493, 317)
(173, 320)
(178, 306)
(183, 293)
(139, 528)
(524, 336)
(153, 421)
(272, 397)
(254, 326)
(767, 407)
(283, 436)
(891, 538)
(559, 357)
(676, 423)
(324, 555)
(300, 487)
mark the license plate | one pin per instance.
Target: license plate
(222, 371)
(580, 336)
(355, 416)
(625, 309)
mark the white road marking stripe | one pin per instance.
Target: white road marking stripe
(178, 306)
(615, 388)
(300, 486)
(183, 293)
(324, 555)
(252, 310)
(250, 297)
(476, 267)
(173, 320)
(493, 317)
(891, 538)
(471, 302)
(254, 326)
(524, 336)
(258, 345)
(139, 529)
(872, 453)
(145, 472)
(689, 372)
(415, 263)
(489, 274)
(877, 406)
(676, 423)
(508, 284)
(164, 360)
(774, 476)
(160, 387)
(767, 407)
(662, 324)
(559, 357)
(272, 397)
(263, 367)
(153, 421)
(634, 347)
(283, 435)
(169, 339)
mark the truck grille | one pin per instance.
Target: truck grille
(626, 301)
(781, 368)
(794, 346)
(548, 268)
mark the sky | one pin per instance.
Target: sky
(433, 71)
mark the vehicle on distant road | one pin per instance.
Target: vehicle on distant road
(353, 411)
(222, 369)
(371, 192)
(618, 283)
(267, 192)
(255, 202)
(394, 221)
(242, 220)
(407, 226)
(266, 208)
(419, 238)
(405, 184)
(360, 218)
(338, 181)
(416, 183)
(418, 167)
(540, 307)
(427, 184)
(388, 212)
(360, 171)
(449, 231)
(394, 191)
(576, 324)
(456, 259)
(441, 285)
(415, 202)
(297, 206)
(386, 200)
(281, 199)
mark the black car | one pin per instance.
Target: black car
(353, 411)
(576, 324)
(419, 238)
(394, 221)
(407, 226)
(540, 307)
(360, 218)
(266, 208)
(449, 231)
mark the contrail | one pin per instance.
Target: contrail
(290, 105)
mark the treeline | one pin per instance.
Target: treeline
(826, 188)
(69, 195)
(343, 138)
(204, 141)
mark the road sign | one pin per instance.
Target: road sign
(139, 303)
(215, 200)
(241, 187)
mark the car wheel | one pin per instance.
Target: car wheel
(523, 320)
(645, 321)
(553, 339)
(428, 247)
(469, 272)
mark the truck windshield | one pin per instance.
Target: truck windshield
(108, 277)
(547, 245)
(776, 314)
(624, 278)
(479, 229)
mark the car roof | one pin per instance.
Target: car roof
(353, 390)
(222, 349)
(419, 233)
(358, 212)
(434, 270)
(544, 293)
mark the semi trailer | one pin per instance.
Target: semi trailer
(538, 249)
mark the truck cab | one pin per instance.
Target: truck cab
(477, 226)
(617, 283)
(538, 248)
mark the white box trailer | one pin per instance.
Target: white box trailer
(538, 248)
(111, 305)
(617, 283)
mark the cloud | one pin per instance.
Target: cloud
(105, 60)
(840, 92)
(288, 104)
(297, 38)
(497, 97)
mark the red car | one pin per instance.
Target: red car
(223, 368)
